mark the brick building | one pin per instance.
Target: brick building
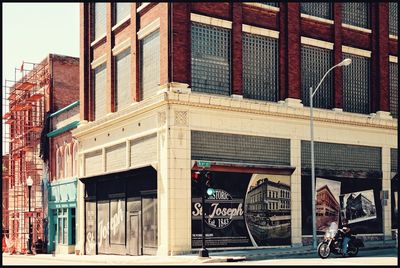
(164, 85)
(37, 91)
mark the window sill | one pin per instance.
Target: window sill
(356, 28)
(395, 37)
(142, 7)
(265, 6)
(316, 18)
(122, 22)
(98, 40)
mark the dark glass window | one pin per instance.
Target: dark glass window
(260, 67)
(99, 92)
(356, 85)
(73, 227)
(122, 10)
(315, 62)
(394, 88)
(99, 19)
(356, 13)
(123, 80)
(393, 18)
(210, 59)
(150, 64)
(321, 9)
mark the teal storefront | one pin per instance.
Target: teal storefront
(62, 216)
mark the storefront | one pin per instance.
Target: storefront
(121, 213)
(62, 216)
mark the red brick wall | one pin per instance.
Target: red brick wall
(237, 78)
(217, 10)
(260, 17)
(65, 81)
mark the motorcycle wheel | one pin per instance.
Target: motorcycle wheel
(352, 251)
(323, 250)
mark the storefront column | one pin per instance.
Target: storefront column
(386, 180)
(295, 161)
(174, 184)
(80, 216)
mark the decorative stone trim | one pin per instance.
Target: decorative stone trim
(290, 102)
(99, 61)
(211, 21)
(356, 51)
(121, 46)
(391, 36)
(235, 96)
(316, 43)
(260, 31)
(116, 26)
(316, 18)
(383, 115)
(143, 6)
(148, 29)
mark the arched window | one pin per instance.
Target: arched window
(67, 161)
(75, 159)
(59, 163)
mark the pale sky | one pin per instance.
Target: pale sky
(33, 30)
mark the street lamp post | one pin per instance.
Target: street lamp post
(345, 62)
(29, 182)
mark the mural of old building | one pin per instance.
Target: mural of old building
(359, 206)
(327, 207)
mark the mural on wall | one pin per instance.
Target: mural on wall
(358, 206)
(90, 243)
(327, 204)
(348, 187)
(245, 210)
(268, 210)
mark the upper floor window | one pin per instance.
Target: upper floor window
(122, 10)
(317, 9)
(394, 88)
(315, 62)
(99, 91)
(150, 65)
(99, 18)
(122, 80)
(210, 59)
(356, 14)
(393, 18)
(356, 85)
(260, 67)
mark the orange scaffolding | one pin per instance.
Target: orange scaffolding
(24, 103)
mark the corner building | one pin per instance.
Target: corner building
(165, 85)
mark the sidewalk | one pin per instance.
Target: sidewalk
(216, 256)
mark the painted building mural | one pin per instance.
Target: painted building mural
(245, 210)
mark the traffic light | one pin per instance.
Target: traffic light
(209, 184)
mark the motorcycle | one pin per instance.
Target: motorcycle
(332, 243)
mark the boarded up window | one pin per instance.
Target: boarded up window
(144, 150)
(90, 228)
(116, 157)
(394, 88)
(99, 19)
(93, 163)
(123, 79)
(99, 92)
(260, 67)
(314, 64)
(122, 11)
(356, 14)
(356, 85)
(117, 221)
(322, 10)
(150, 65)
(223, 147)
(210, 59)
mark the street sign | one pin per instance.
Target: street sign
(204, 164)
